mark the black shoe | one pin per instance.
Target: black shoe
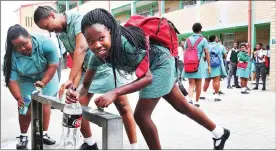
(233, 85)
(85, 146)
(22, 143)
(244, 92)
(229, 87)
(223, 139)
(247, 89)
(238, 86)
(197, 105)
(202, 98)
(256, 88)
(263, 89)
(217, 100)
(220, 92)
(47, 140)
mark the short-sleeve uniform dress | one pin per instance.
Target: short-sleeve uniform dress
(218, 71)
(202, 65)
(104, 79)
(162, 67)
(243, 57)
(26, 70)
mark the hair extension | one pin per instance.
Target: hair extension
(133, 34)
(13, 33)
(42, 12)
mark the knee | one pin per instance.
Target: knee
(140, 117)
(123, 108)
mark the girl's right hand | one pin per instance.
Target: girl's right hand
(64, 86)
(20, 103)
(72, 96)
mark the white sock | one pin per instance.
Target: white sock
(45, 132)
(216, 96)
(134, 146)
(218, 132)
(24, 134)
(243, 89)
(190, 100)
(196, 103)
(89, 141)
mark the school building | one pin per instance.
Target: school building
(229, 20)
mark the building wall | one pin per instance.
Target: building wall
(123, 17)
(272, 15)
(171, 6)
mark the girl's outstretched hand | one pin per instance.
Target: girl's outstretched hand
(106, 99)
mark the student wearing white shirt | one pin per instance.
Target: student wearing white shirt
(180, 62)
(268, 58)
(260, 66)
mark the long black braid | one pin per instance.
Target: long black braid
(42, 12)
(13, 33)
(133, 34)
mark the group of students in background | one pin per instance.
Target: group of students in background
(96, 43)
(235, 62)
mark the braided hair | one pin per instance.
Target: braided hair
(42, 12)
(133, 34)
(13, 33)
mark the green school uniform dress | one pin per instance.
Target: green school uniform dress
(162, 67)
(26, 70)
(243, 57)
(218, 71)
(104, 79)
(202, 68)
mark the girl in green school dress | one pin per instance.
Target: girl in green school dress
(124, 49)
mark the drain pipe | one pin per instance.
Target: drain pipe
(249, 27)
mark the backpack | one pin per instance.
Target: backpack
(159, 30)
(214, 58)
(191, 61)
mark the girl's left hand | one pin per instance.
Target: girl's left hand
(106, 99)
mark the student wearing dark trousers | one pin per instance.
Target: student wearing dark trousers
(233, 53)
(260, 66)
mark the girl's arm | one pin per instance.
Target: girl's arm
(15, 91)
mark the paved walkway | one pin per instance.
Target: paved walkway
(251, 119)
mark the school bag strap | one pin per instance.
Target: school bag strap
(143, 66)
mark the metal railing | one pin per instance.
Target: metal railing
(112, 125)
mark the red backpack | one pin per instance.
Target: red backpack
(191, 61)
(156, 29)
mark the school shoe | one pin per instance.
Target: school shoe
(238, 86)
(202, 98)
(22, 142)
(223, 139)
(217, 99)
(85, 146)
(220, 93)
(247, 89)
(256, 88)
(229, 87)
(196, 104)
(47, 140)
(244, 92)
(263, 89)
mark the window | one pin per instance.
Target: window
(29, 21)
(208, 1)
(188, 3)
(155, 10)
(118, 21)
(62, 8)
(72, 4)
(228, 40)
(144, 12)
(85, 2)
